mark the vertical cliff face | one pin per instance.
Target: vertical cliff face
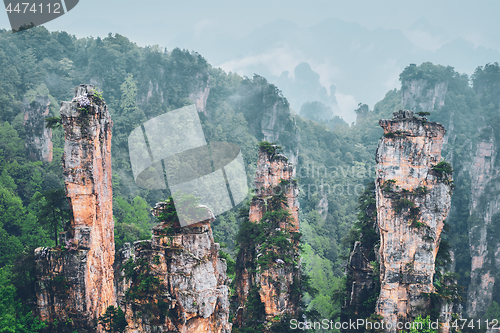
(483, 233)
(267, 267)
(422, 96)
(278, 126)
(38, 138)
(197, 90)
(175, 282)
(199, 95)
(413, 193)
(76, 282)
(363, 281)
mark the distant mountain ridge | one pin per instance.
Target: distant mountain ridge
(362, 63)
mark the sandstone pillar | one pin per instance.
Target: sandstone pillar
(413, 200)
(277, 277)
(75, 282)
(187, 283)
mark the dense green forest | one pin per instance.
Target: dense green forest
(335, 161)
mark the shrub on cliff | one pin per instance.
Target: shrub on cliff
(443, 167)
(113, 320)
(444, 171)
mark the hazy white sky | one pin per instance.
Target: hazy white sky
(160, 21)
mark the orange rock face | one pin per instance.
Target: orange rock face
(274, 177)
(413, 200)
(87, 267)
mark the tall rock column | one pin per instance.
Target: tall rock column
(268, 267)
(413, 194)
(76, 281)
